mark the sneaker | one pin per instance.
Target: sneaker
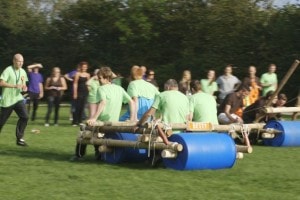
(21, 142)
(74, 125)
(55, 124)
(47, 124)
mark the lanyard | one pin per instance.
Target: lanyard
(17, 77)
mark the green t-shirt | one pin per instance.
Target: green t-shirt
(204, 108)
(207, 87)
(11, 96)
(93, 85)
(268, 78)
(173, 105)
(142, 88)
(114, 96)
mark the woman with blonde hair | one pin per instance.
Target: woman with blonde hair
(54, 86)
(184, 84)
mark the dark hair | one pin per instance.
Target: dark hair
(195, 85)
(244, 87)
(149, 71)
(282, 97)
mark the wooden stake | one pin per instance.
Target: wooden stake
(244, 149)
(134, 144)
(167, 153)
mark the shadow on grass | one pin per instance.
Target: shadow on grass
(50, 155)
(34, 153)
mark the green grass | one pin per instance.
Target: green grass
(43, 171)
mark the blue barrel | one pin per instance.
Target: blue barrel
(289, 137)
(124, 154)
(203, 151)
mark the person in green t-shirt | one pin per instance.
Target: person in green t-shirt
(172, 104)
(13, 81)
(110, 98)
(203, 106)
(209, 85)
(141, 92)
(269, 80)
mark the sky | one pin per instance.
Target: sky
(281, 3)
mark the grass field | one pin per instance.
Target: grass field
(43, 171)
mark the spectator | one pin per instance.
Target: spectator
(55, 86)
(227, 83)
(13, 81)
(35, 88)
(231, 105)
(253, 82)
(144, 70)
(269, 80)
(70, 78)
(281, 101)
(203, 106)
(184, 84)
(209, 85)
(80, 92)
(150, 77)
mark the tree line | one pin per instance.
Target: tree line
(166, 35)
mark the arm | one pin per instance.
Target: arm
(47, 87)
(7, 85)
(149, 113)
(68, 77)
(100, 108)
(41, 95)
(133, 110)
(75, 86)
(227, 113)
(64, 84)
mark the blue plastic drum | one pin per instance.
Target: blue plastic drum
(203, 151)
(124, 154)
(289, 137)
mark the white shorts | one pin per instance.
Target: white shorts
(223, 119)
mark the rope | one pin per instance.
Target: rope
(245, 130)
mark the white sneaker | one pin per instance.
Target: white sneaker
(55, 124)
(47, 125)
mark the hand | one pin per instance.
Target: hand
(41, 95)
(91, 121)
(24, 88)
(239, 120)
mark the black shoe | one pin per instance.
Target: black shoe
(21, 142)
